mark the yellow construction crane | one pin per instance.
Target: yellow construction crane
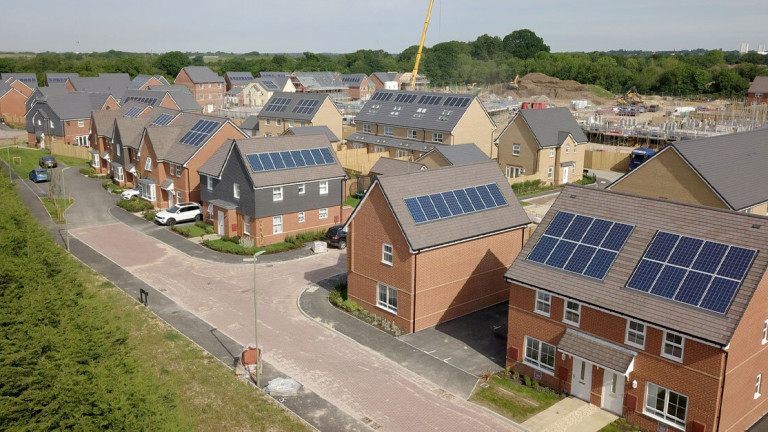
(412, 84)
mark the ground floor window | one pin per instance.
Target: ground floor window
(665, 405)
(246, 225)
(539, 354)
(96, 161)
(514, 172)
(301, 217)
(322, 213)
(277, 224)
(387, 298)
(84, 140)
(119, 173)
(147, 190)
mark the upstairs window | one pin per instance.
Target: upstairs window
(277, 194)
(236, 190)
(148, 164)
(437, 137)
(324, 188)
(367, 128)
(387, 254)
(516, 150)
(635, 334)
(543, 303)
(411, 134)
(388, 130)
(572, 312)
(672, 348)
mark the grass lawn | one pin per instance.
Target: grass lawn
(512, 400)
(600, 92)
(199, 229)
(620, 425)
(63, 205)
(234, 248)
(352, 201)
(524, 203)
(24, 160)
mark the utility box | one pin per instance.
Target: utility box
(319, 247)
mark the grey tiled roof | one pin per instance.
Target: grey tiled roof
(386, 76)
(648, 215)
(759, 85)
(185, 100)
(130, 130)
(293, 100)
(460, 154)
(140, 80)
(215, 162)
(319, 81)
(250, 123)
(239, 77)
(388, 166)
(393, 142)
(4, 88)
(114, 84)
(312, 130)
(202, 74)
(172, 150)
(453, 229)
(265, 74)
(29, 79)
(223, 204)
(437, 117)
(104, 120)
(279, 81)
(596, 350)
(72, 105)
(54, 75)
(234, 91)
(353, 80)
(547, 125)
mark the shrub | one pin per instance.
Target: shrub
(527, 381)
(356, 313)
(107, 184)
(205, 226)
(386, 325)
(528, 186)
(507, 371)
(350, 305)
(135, 205)
(516, 375)
(89, 171)
(535, 385)
(396, 330)
(335, 297)
(150, 215)
(368, 319)
(342, 288)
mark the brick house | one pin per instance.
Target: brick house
(380, 79)
(287, 110)
(12, 105)
(650, 309)
(542, 144)
(237, 79)
(758, 91)
(143, 82)
(56, 79)
(169, 157)
(409, 124)
(102, 129)
(359, 86)
(430, 246)
(207, 87)
(25, 83)
(171, 97)
(65, 117)
(270, 188)
(720, 171)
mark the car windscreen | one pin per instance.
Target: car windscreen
(173, 209)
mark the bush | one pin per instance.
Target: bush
(350, 305)
(527, 381)
(150, 215)
(205, 226)
(90, 171)
(342, 288)
(134, 205)
(528, 186)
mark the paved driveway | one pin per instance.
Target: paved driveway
(352, 377)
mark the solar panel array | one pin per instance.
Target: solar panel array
(144, 100)
(457, 202)
(162, 120)
(696, 272)
(381, 96)
(270, 85)
(289, 159)
(305, 106)
(277, 105)
(58, 80)
(28, 80)
(405, 98)
(133, 112)
(581, 244)
(430, 100)
(240, 78)
(351, 79)
(199, 132)
(457, 101)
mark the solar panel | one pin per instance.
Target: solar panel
(327, 156)
(379, 96)
(256, 164)
(696, 272)
(269, 85)
(305, 106)
(266, 161)
(297, 158)
(133, 112)
(141, 99)
(277, 105)
(580, 244)
(279, 160)
(199, 132)
(308, 158)
(162, 120)
(452, 203)
(288, 159)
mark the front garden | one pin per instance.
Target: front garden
(338, 298)
(245, 246)
(514, 396)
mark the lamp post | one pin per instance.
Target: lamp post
(256, 319)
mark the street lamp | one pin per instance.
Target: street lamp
(255, 318)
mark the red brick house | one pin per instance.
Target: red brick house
(65, 117)
(143, 82)
(430, 246)
(12, 105)
(380, 79)
(359, 86)
(26, 83)
(650, 309)
(237, 79)
(758, 91)
(207, 87)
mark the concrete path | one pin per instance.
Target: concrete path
(570, 415)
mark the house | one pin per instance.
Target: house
(258, 91)
(207, 87)
(171, 97)
(758, 91)
(60, 80)
(65, 117)
(169, 156)
(359, 86)
(388, 166)
(445, 155)
(102, 129)
(721, 171)
(315, 130)
(250, 126)
(26, 83)
(12, 105)
(380, 80)
(115, 84)
(287, 110)
(268, 188)
(237, 79)
(542, 144)
(420, 84)
(650, 309)
(409, 124)
(430, 246)
(328, 83)
(234, 97)
(143, 82)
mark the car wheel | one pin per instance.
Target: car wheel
(171, 222)
(198, 218)
(342, 245)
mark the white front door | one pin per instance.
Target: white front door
(613, 392)
(170, 199)
(581, 379)
(565, 175)
(221, 223)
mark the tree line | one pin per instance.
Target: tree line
(486, 60)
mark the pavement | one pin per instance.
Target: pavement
(570, 415)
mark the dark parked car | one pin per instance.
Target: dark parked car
(336, 236)
(39, 175)
(48, 162)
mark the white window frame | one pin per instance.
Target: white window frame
(236, 190)
(277, 224)
(516, 150)
(535, 355)
(663, 416)
(148, 192)
(247, 225)
(266, 121)
(209, 182)
(278, 122)
(387, 254)
(765, 332)
(411, 133)
(386, 297)
(550, 173)
(210, 210)
(665, 342)
(401, 153)
(758, 381)
(379, 149)
(513, 171)
(543, 303)
(567, 149)
(437, 137)
(570, 315)
(119, 176)
(178, 196)
(302, 189)
(323, 187)
(171, 169)
(367, 128)
(81, 123)
(148, 164)
(118, 149)
(51, 122)
(635, 333)
(322, 213)
(277, 193)
(388, 130)
(178, 170)
(302, 218)
(552, 152)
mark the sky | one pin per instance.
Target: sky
(335, 26)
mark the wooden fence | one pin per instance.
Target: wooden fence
(360, 160)
(606, 160)
(62, 149)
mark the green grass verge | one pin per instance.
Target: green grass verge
(620, 425)
(76, 353)
(199, 229)
(600, 92)
(512, 400)
(352, 201)
(227, 246)
(51, 207)
(524, 203)
(23, 160)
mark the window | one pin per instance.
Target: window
(246, 225)
(543, 303)
(277, 224)
(172, 170)
(210, 211)
(278, 122)
(209, 182)
(386, 298)
(117, 150)
(387, 254)
(575, 146)
(567, 149)
(202, 96)
(635, 334)
(572, 313)
(81, 123)
(516, 150)
(550, 173)
(51, 122)
(324, 188)
(301, 217)
(757, 385)
(302, 189)
(411, 134)
(148, 164)
(551, 152)
(266, 121)
(178, 170)
(379, 149)
(290, 123)
(301, 124)
(219, 85)
(178, 196)
(402, 153)
(514, 172)
(322, 213)
(119, 173)
(367, 128)
(540, 355)
(202, 86)
(388, 130)
(673, 346)
(437, 137)
(665, 405)
(277, 194)
(236, 190)
(148, 191)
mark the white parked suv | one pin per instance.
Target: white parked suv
(130, 193)
(181, 212)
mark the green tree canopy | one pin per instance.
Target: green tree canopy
(524, 44)
(172, 62)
